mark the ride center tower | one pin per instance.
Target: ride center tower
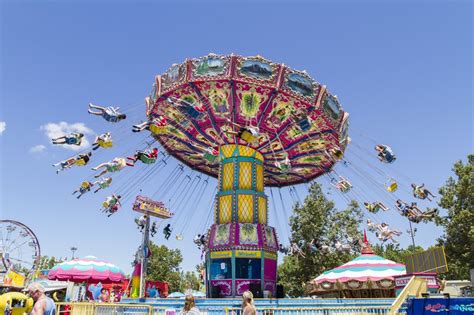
(242, 248)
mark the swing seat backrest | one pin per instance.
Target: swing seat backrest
(157, 130)
(304, 124)
(338, 155)
(247, 136)
(420, 194)
(146, 159)
(85, 185)
(80, 162)
(393, 186)
(105, 144)
(210, 157)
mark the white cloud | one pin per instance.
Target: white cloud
(53, 130)
(37, 148)
(3, 126)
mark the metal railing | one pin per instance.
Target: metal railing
(89, 308)
(359, 310)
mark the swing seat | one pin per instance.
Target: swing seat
(285, 168)
(113, 168)
(104, 185)
(147, 160)
(304, 124)
(179, 237)
(105, 144)
(373, 209)
(338, 155)
(85, 185)
(247, 136)
(393, 186)
(105, 205)
(157, 130)
(194, 113)
(210, 157)
(345, 189)
(80, 162)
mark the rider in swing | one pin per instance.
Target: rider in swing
(167, 231)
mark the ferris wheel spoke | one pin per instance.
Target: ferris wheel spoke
(4, 242)
(5, 264)
(10, 244)
(12, 249)
(21, 261)
(1, 236)
(9, 231)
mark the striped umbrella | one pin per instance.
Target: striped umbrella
(87, 269)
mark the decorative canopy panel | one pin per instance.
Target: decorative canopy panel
(208, 102)
(245, 236)
(363, 268)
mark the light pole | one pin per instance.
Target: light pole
(144, 261)
(73, 249)
(412, 232)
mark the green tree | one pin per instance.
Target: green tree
(317, 219)
(47, 262)
(457, 197)
(189, 280)
(164, 265)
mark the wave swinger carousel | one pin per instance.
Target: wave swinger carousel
(251, 123)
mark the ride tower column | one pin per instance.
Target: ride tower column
(144, 259)
(242, 248)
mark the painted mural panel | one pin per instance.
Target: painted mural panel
(248, 234)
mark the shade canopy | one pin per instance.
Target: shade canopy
(363, 268)
(176, 295)
(51, 285)
(87, 269)
(367, 276)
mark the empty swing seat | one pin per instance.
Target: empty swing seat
(392, 186)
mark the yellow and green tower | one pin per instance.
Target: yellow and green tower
(242, 248)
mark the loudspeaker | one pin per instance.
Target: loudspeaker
(280, 292)
(256, 290)
(215, 291)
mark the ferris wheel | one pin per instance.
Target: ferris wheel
(19, 248)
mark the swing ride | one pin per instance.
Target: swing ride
(252, 124)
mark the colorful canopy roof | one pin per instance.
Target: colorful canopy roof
(88, 269)
(363, 268)
(208, 102)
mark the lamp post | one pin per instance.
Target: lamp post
(412, 232)
(73, 249)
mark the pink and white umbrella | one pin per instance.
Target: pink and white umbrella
(87, 269)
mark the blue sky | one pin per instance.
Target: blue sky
(403, 70)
